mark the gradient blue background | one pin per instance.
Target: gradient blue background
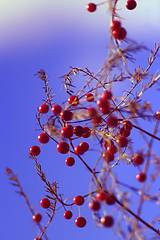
(54, 35)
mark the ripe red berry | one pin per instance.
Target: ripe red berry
(124, 132)
(108, 143)
(45, 203)
(158, 114)
(79, 150)
(107, 221)
(119, 33)
(73, 100)
(138, 159)
(141, 177)
(131, 4)
(43, 138)
(100, 196)
(67, 132)
(86, 132)
(105, 110)
(66, 115)
(91, 112)
(97, 119)
(89, 97)
(78, 200)
(80, 222)
(63, 147)
(91, 7)
(56, 109)
(122, 142)
(70, 161)
(108, 157)
(35, 150)
(37, 217)
(112, 149)
(37, 239)
(112, 121)
(94, 205)
(44, 108)
(78, 131)
(127, 125)
(103, 103)
(110, 199)
(115, 25)
(85, 146)
(68, 215)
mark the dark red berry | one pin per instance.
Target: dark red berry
(78, 131)
(44, 108)
(112, 149)
(107, 221)
(91, 7)
(112, 121)
(66, 115)
(37, 239)
(119, 33)
(103, 103)
(97, 119)
(80, 222)
(94, 205)
(101, 196)
(131, 4)
(122, 142)
(37, 217)
(70, 161)
(89, 97)
(124, 132)
(79, 150)
(108, 143)
(43, 138)
(91, 112)
(67, 132)
(45, 203)
(138, 159)
(86, 132)
(63, 147)
(73, 100)
(68, 215)
(35, 150)
(108, 157)
(127, 125)
(78, 200)
(56, 109)
(110, 199)
(85, 146)
(141, 177)
(105, 110)
(115, 25)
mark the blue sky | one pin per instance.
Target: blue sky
(54, 35)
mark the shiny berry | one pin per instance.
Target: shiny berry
(79, 150)
(44, 108)
(70, 161)
(119, 33)
(115, 25)
(112, 149)
(63, 147)
(68, 215)
(124, 132)
(141, 177)
(122, 142)
(131, 4)
(80, 222)
(78, 200)
(45, 203)
(101, 196)
(67, 132)
(85, 146)
(138, 159)
(78, 131)
(91, 7)
(66, 115)
(127, 125)
(107, 221)
(37, 217)
(43, 138)
(108, 157)
(89, 97)
(56, 109)
(86, 132)
(103, 103)
(110, 199)
(94, 205)
(35, 150)
(73, 100)
(37, 239)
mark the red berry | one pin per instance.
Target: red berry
(127, 125)
(108, 143)
(37, 239)
(68, 215)
(91, 7)
(63, 147)
(35, 150)
(43, 138)
(44, 108)
(73, 100)
(141, 177)
(112, 149)
(86, 132)
(78, 200)
(107, 221)
(112, 121)
(85, 146)
(78, 131)
(79, 150)
(89, 97)
(108, 157)
(122, 142)
(56, 109)
(158, 114)
(45, 203)
(67, 132)
(138, 159)
(80, 222)
(103, 103)
(119, 33)
(70, 161)
(124, 132)
(115, 25)
(91, 112)
(101, 196)
(66, 115)
(105, 110)
(110, 199)
(37, 217)
(131, 4)
(94, 205)
(97, 119)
